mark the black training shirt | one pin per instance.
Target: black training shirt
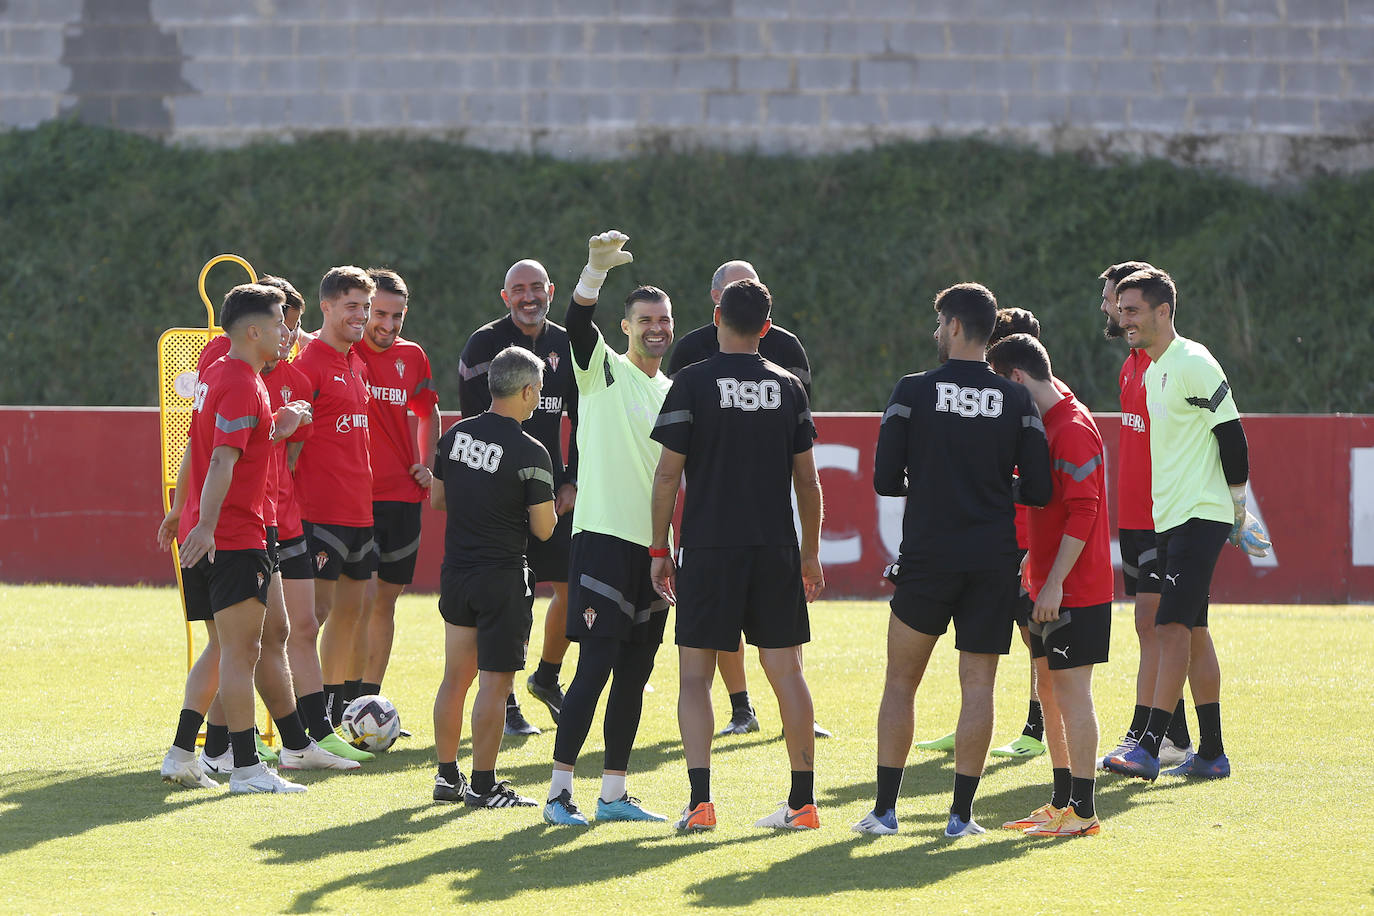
(559, 392)
(779, 346)
(949, 442)
(739, 419)
(493, 472)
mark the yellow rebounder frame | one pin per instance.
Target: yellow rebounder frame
(178, 350)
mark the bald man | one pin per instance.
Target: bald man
(526, 293)
(778, 346)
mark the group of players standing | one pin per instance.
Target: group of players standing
(290, 526)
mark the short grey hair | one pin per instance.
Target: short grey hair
(512, 369)
(718, 278)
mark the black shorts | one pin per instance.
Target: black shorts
(1081, 636)
(1021, 609)
(293, 556)
(1188, 554)
(550, 559)
(396, 526)
(499, 603)
(341, 550)
(723, 590)
(273, 560)
(236, 575)
(980, 602)
(609, 594)
(1139, 553)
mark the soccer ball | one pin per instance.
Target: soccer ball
(371, 723)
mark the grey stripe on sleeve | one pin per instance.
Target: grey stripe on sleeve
(673, 416)
(1030, 422)
(225, 425)
(1079, 472)
(897, 410)
(471, 372)
(536, 474)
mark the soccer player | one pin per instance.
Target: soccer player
(334, 476)
(400, 383)
(740, 427)
(499, 481)
(1136, 533)
(618, 621)
(1199, 465)
(1069, 574)
(223, 538)
(1031, 741)
(783, 348)
(949, 442)
(527, 293)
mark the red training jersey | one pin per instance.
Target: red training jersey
(400, 383)
(285, 383)
(1022, 519)
(230, 408)
(333, 477)
(1134, 504)
(1078, 509)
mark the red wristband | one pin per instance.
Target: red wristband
(659, 553)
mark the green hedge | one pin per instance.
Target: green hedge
(102, 236)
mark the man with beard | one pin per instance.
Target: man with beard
(527, 293)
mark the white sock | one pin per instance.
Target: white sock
(562, 780)
(612, 787)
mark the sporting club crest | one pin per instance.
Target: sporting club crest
(552, 360)
(260, 580)
(400, 368)
(1163, 380)
(285, 394)
(589, 616)
(321, 559)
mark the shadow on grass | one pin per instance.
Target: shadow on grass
(925, 856)
(484, 871)
(43, 805)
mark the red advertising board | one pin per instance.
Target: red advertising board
(79, 502)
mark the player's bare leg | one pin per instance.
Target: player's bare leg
(202, 681)
(908, 654)
(1056, 743)
(380, 629)
(972, 737)
(556, 641)
(1073, 690)
(695, 718)
(338, 629)
(743, 717)
(460, 668)
(543, 682)
(784, 672)
(1146, 607)
(302, 652)
(1031, 741)
(1204, 672)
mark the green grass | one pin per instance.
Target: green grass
(92, 682)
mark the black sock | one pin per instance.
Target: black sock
(1082, 797)
(293, 736)
(889, 787)
(803, 789)
(315, 719)
(739, 702)
(546, 675)
(188, 729)
(482, 780)
(1035, 722)
(700, 778)
(1177, 732)
(352, 690)
(1209, 746)
(512, 701)
(1142, 716)
(245, 749)
(449, 772)
(216, 739)
(370, 689)
(1063, 787)
(334, 704)
(964, 789)
(1155, 728)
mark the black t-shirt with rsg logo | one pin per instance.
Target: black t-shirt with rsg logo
(739, 419)
(493, 471)
(950, 441)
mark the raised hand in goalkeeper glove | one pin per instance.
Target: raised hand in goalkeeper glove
(604, 251)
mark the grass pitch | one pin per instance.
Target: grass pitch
(92, 684)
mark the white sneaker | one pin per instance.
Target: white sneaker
(1171, 755)
(260, 778)
(221, 764)
(314, 757)
(181, 768)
